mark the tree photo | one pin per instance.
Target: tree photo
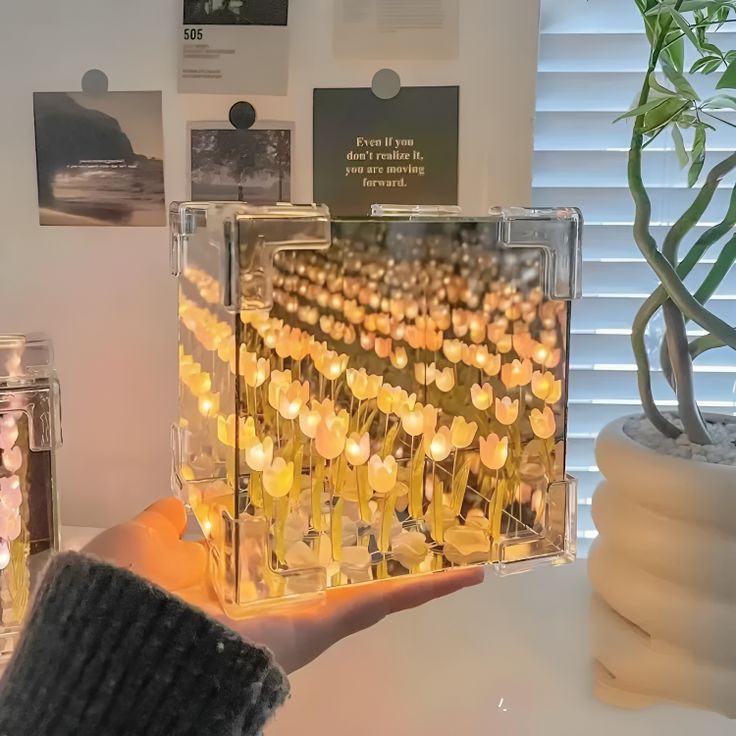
(241, 165)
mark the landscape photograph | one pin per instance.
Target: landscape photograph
(99, 158)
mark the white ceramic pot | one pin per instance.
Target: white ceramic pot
(663, 572)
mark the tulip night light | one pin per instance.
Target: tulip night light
(372, 397)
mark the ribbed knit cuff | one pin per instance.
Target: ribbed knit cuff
(106, 652)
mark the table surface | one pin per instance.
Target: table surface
(508, 657)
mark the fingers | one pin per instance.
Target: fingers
(419, 591)
(161, 558)
(353, 610)
(167, 516)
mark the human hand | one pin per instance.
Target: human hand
(151, 546)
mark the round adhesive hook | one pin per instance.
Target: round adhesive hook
(95, 82)
(242, 115)
(386, 84)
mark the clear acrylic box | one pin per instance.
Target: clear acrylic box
(30, 431)
(362, 399)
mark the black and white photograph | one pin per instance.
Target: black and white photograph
(251, 165)
(236, 12)
(99, 158)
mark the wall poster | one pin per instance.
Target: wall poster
(397, 29)
(402, 150)
(234, 47)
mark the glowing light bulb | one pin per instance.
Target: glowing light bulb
(258, 455)
(358, 448)
(208, 404)
(540, 353)
(440, 446)
(481, 396)
(399, 358)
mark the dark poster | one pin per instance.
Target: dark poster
(398, 151)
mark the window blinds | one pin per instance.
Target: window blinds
(593, 54)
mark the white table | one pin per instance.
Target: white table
(506, 658)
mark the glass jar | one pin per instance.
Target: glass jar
(30, 431)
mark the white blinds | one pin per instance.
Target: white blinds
(592, 57)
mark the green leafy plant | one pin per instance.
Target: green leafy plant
(669, 103)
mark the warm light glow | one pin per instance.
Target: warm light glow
(367, 340)
(209, 405)
(280, 381)
(494, 451)
(433, 340)
(493, 366)
(399, 358)
(254, 370)
(292, 399)
(383, 347)
(358, 448)
(541, 353)
(546, 388)
(462, 433)
(226, 429)
(445, 380)
(524, 345)
(356, 458)
(439, 446)
(412, 421)
(309, 421)
(507, 411)
(453, 350)
(331, 365)
(246, 431)
(425, 374)
(543, 423)
(419, 419)
(278, 477)
(259, 454)
(517, 373)
(362, 385)
(504, 344)
(200, 384)
(382, 474)
(331, 435)
(481, 396)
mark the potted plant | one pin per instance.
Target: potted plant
(664, 566)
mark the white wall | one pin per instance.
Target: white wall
(105, 294)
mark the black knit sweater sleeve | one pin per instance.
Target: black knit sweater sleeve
(105, 653)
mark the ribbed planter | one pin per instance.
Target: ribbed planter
(663, 572)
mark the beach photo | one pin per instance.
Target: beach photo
(236, 12)
(241, 165)
(99, 158)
